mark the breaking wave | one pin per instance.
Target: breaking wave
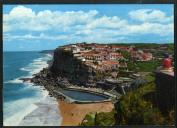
(15, 110)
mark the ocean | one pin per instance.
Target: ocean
(19, 98)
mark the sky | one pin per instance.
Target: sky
(42, 27)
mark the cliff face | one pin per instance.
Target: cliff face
(74, 70)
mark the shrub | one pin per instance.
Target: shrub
(89, 120)
(134, 109)
(99, 119)
(105, 119)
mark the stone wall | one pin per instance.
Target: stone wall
(165, 91)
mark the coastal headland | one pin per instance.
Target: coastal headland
(96, 68)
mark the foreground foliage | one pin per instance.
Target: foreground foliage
(139, 107)
(135, 108)
(99, 119)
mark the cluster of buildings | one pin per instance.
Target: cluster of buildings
(105, 57)
(139, 55)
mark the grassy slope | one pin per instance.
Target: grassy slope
(136, 107)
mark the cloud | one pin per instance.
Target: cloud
(23, 18)
(107, 22)
(150, 15)
(34, 37)
(84, 25)
(149, 28)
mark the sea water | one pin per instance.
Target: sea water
(19, 98)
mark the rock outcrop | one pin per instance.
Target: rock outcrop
(66, 65)
(63, 71)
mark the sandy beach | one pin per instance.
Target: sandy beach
(73, 114)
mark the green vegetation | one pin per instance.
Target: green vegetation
(135, 108)
(89, 120)
(156, 49)
(139, 107)
(146, 46)
(143, 66)
(99, 119)
(139, 66)
(99, 75)
(126, 55)
(150, 77)
(170, 49)
(147, 66)
(140, 45)
(105, 119)
(132, 66)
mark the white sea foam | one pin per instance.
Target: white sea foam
(17, 80)
(25, 107)
(24, 69)
(38, 59)
(21, 108)
(37, 65)
(49, 55)
(14, 81)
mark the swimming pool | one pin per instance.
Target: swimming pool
(79, 95)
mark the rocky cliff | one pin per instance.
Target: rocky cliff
(66, 65)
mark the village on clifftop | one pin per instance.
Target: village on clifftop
(106, 57)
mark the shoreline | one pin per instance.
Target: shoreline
(46, 113)
(27, 105)
(71, 114)
(63, 113)
(47, 105)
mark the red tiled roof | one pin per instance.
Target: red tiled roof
(115, 46)
(110, 62)
(100, 46)
(91, 53)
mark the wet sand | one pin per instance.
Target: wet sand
(73, 114)
(45, 114)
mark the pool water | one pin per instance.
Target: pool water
(84, 96)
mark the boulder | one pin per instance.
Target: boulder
(26, 79)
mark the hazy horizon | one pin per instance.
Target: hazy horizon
(86, 42)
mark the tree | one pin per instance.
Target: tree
(132, 108)
(126, 55)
